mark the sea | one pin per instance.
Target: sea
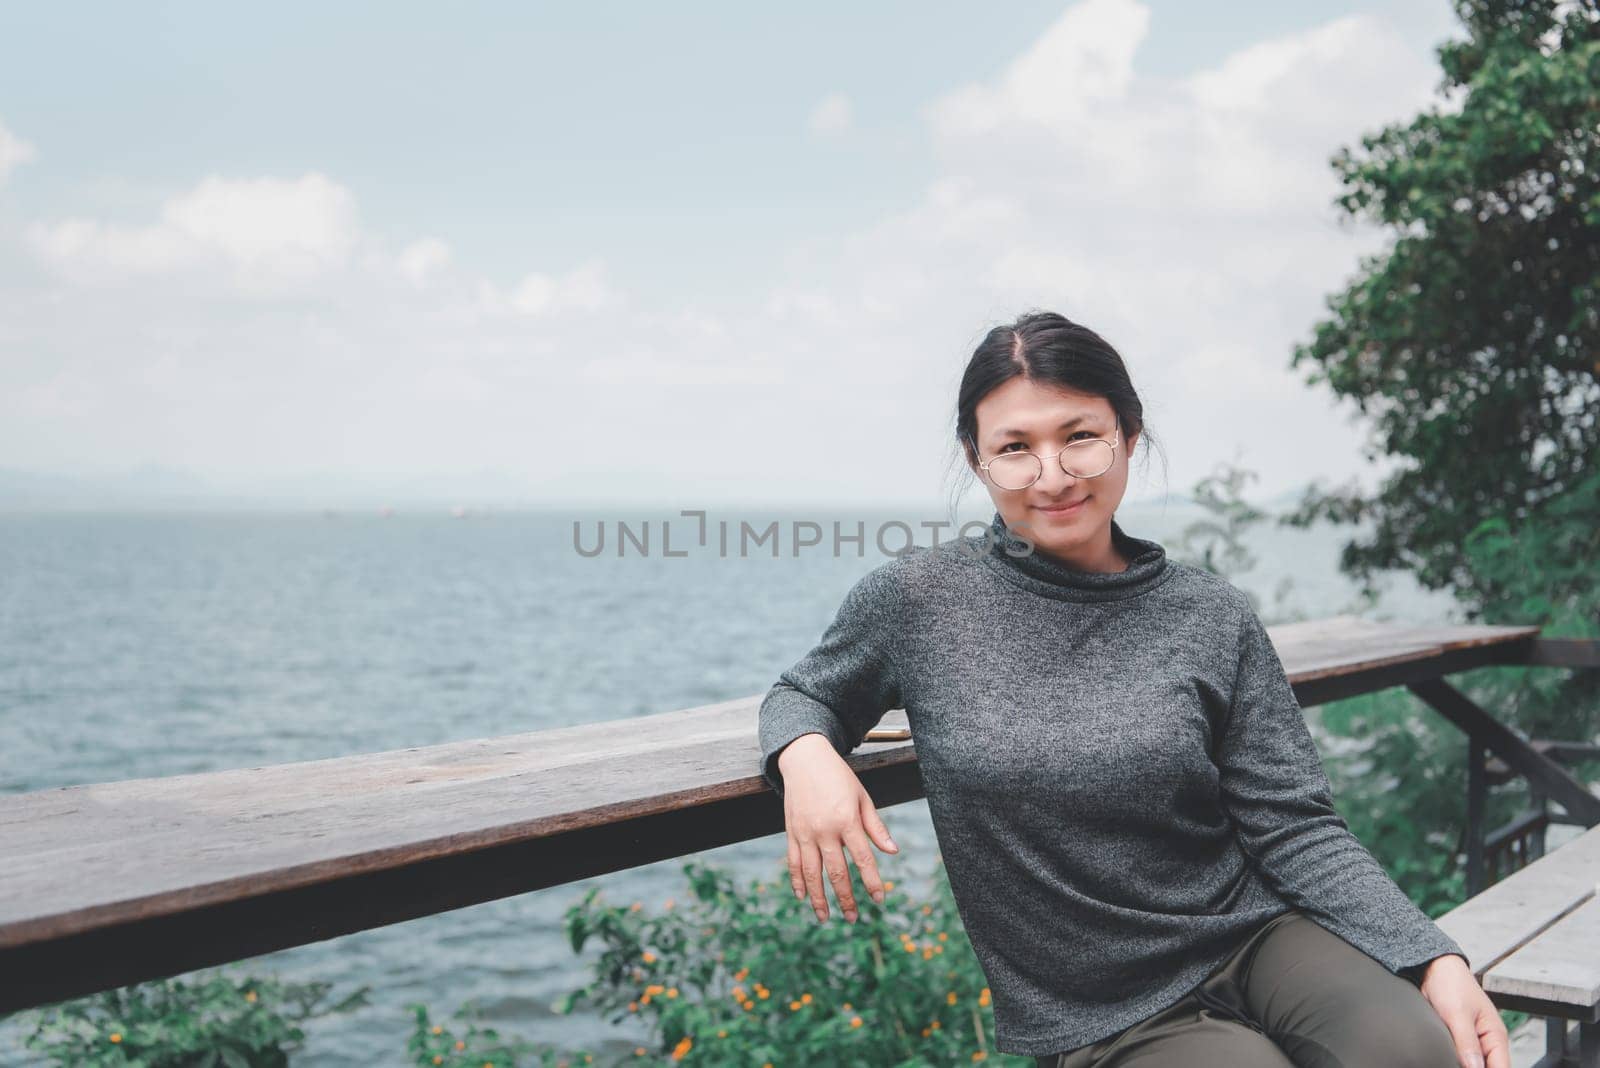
(137, 644)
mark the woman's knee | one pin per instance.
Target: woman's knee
(1332, 1006)
(1392, 1026)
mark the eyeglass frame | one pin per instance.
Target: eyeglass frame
(983, 465)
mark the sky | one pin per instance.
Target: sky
(684, 255)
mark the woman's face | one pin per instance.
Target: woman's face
(1024, 415)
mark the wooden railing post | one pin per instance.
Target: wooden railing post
(1477, 798)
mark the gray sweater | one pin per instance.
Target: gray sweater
(1120, 778)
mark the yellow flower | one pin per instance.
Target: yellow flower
(980, 1056)
(649, 957)
(936, 1025)
(950, 998)
(749, 1005)
(682, 1048)
(250, 995)
(738, 993)
(654, 988)
(460, 1045)
(926, 1032)
(927, 954)
(889, 885)
(943, 937)
(845, 1006)
(638, 1051)
(672, 991)
(116, 1036)
(438, 1058)
(633, 1006)
(635, 907)
(437, 1029)
(794, 1006)
(763, 993)
(740, 974)
(927, 910)
(806, 998)
(984, 992)
(722, 1034)
(855, 1021)
(911, 947)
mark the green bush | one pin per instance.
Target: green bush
(216, 1021)
(732, 978)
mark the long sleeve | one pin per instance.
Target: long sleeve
(844, 685)
(1276, 790)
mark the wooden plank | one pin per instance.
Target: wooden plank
(1559, 968)
(1346, 645)
(145, 877)
(132, 849)
(1493, 925)
(1330, 659)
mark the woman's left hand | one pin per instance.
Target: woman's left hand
(1474, 1022)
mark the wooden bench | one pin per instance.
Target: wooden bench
(1534, 942)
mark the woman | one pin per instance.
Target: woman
(1136, 825)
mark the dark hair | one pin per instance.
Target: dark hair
(1043, 346)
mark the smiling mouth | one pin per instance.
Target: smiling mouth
(1063, 509)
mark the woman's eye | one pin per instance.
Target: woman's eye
(1008, 448)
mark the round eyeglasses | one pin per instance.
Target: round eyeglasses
(1089, 458)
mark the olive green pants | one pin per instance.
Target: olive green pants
(1291, 994)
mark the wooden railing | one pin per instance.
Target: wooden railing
(108, 884)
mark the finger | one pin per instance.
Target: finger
(866, 863)
(1496, 1043)
(874, 824)
(1464, 1034)
(839, 875)
(811, 867)
(797, 878)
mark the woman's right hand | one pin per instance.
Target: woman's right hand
(827, 811)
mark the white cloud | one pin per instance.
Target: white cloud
(266, 230)
(420, 259)
(832, 115)
(1083, 59)
(583, 289)
(13, 152)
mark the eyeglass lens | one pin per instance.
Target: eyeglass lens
(1081, 459)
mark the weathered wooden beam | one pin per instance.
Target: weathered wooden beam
(1556, 781)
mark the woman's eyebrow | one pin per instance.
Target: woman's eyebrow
(1012, 432)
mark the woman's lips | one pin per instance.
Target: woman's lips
(1064, 512)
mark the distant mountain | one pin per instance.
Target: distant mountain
(156, 487)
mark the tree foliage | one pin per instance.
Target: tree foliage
(1471, 341)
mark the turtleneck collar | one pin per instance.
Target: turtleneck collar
(1048, 576)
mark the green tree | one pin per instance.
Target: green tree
(1470, 342)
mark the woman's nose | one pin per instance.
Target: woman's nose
(1054, 476)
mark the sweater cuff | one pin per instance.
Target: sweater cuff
(1415, 972)
(787, 715)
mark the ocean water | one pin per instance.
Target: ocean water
(136, 645)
